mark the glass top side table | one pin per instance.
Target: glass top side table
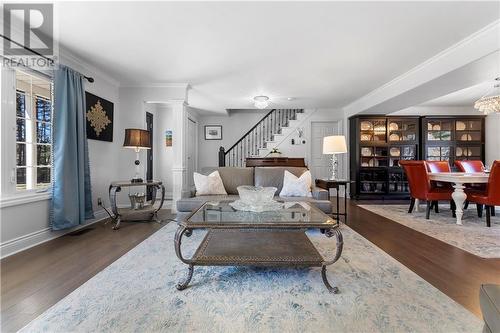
(150, 210)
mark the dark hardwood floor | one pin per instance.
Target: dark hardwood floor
(34, 280)
(455, 272)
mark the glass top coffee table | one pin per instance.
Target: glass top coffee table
(275, 238)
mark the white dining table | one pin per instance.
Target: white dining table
(459, 179)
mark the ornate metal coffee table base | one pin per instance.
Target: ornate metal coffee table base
(257, 247)
(333, 290)
(183, 285)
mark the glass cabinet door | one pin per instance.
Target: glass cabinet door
(402, 130)
(468, 130)
(404, 152)
(438, 153)
(373, 156)
(372, 131)
(398, 182)
(439, 130)
(466, 152)
(373, 181)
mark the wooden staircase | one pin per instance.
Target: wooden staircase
(265, 135)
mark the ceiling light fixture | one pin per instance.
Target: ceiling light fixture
(490, 103)
(261, 102)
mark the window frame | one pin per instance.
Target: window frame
(9, 193)
(30, 142)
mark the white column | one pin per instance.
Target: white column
(179, 163)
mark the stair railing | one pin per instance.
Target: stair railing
(264, 130)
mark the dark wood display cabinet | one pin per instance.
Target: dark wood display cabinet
(453, 138)
(378, 143)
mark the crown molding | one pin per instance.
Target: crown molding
(473, 47)
(62, 53)
(65, 54)
(156, 85)
(173, 101)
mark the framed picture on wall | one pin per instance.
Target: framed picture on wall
(168, 138)
(213, 132)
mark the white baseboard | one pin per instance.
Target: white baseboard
(24, 242)
(27, 241)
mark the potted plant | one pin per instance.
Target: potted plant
(274, 152)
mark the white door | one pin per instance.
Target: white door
(320, 164)
(191, 151)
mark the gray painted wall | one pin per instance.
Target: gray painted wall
(27, 224)
(234, 126)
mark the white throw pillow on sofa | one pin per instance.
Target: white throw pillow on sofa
(294, 186)
(208, 185)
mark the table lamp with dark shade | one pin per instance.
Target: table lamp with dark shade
(137, 139)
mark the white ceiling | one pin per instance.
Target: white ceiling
(464, 97)
(324, 54)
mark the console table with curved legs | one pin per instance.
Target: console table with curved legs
(273, 239)
(129, 214)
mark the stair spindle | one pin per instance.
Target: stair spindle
(262, 135)
(254, 144)
(265, 130)
(270, 132)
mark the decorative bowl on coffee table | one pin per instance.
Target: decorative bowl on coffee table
(256, 199)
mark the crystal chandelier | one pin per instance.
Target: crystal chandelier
(489, 103)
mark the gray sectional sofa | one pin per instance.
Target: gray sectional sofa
(489, 299)
(259, 176)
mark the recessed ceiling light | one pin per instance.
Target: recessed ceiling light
(261, 102)
(290, 98)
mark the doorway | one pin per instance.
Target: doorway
(321, 165)
(149, 157)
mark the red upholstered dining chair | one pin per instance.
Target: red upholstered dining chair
(435, 167)
(420, 186)
(438, 166)
(490, 197)
(470, 166)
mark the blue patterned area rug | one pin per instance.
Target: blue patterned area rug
(137, 294)
(472, 236)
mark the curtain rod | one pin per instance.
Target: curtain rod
(90, 79)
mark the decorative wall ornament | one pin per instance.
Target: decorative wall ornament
(99, 116)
